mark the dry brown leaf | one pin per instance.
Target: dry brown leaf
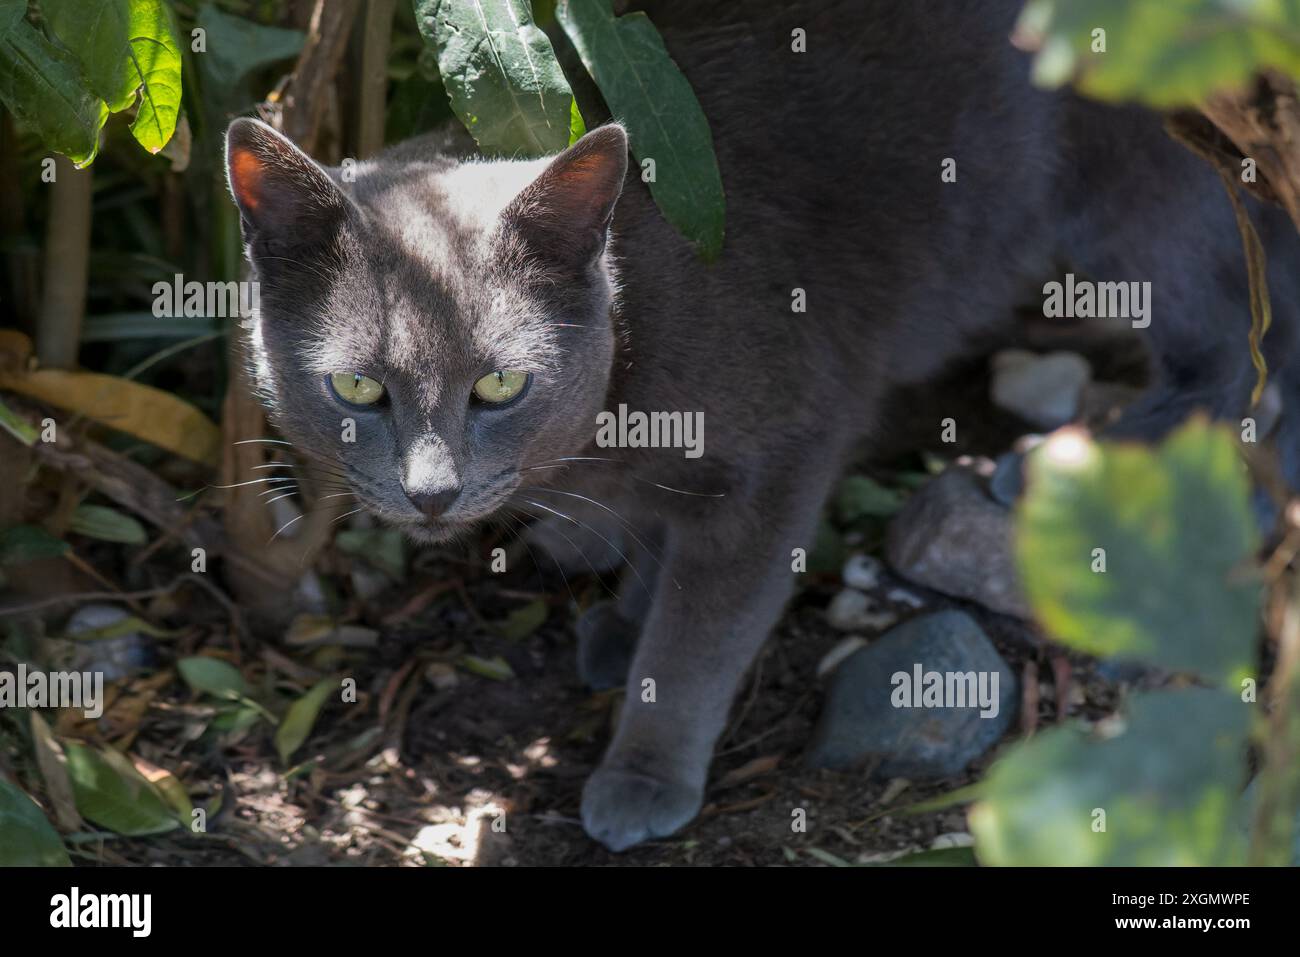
(153, 415)
(750, 770)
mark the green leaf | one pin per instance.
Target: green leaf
(522, 622)
(26, 837)
(112, 794)
(44, 88)
(937, 857)
(120, 326)
(1178, 535)
(17, 426)
(648, 93)
(107, 525)
(577, 128)
(235, 719)
(500, 73)
(236, 48)
(213, 676)
(97, 33)
(154, 67)
(860, 497)
(1164, 54)
(300, 718)
(126, 47)
(11, 13)
(127, 626)
(1169, 786)
(28, 543)
(496, 667)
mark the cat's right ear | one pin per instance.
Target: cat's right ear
(285, 200)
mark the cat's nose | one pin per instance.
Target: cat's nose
(434, 504)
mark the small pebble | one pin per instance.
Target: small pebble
(862, 572)
(852, 610)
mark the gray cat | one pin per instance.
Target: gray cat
(474, 318)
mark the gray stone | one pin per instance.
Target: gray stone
(861, 725)
(852, 610)
(952, 537)
(861, 572)
(1041, 389)
(1008, 479)
(117, 657)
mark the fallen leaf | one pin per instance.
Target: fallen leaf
(213, 676)
(496, 667)
(153, 415)
(301, 717)
(522, 622)
(26, 837)
(750, 770)
(111, 793)
(167, 784)
(54, 771)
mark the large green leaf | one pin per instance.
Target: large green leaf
(97, 32)
(500, 73)
(1177, 533)
(26, 837)
(1169, 787)
(1164, 52)
(126, 47)
(44, 88)
(154, 67)
(11, 12)
(112, 794)
(648, 93)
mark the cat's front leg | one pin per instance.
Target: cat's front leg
(721, 589)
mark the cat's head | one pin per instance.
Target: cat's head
(431, 329)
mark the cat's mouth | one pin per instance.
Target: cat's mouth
(433, 531)
(437, 530)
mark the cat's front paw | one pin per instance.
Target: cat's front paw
(621, 808)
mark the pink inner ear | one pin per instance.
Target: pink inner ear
(589, 180)
(246, 172)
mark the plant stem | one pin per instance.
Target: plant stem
(373, 95)
(67, 258)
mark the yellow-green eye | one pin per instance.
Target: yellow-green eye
(500, 386)
(356, 388)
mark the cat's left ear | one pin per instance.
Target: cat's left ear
(563, 215)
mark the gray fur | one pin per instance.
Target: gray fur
(831, 163)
